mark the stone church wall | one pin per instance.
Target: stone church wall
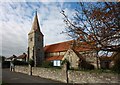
(73, 76)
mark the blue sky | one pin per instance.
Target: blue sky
(16, 21)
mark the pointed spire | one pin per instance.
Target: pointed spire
(35, 25)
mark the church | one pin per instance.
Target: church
(57, 52)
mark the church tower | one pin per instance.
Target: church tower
(35, 43)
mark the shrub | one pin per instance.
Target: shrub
(20, 63)
(6, 64)
(47, 64)
(86, 66)
(31, 62)
(67, 62)
(64, 61)
(116, 66)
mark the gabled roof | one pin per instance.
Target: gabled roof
(64, 46)
(22, 56)
(11, 57)
(54, 58)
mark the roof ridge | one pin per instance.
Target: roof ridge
(59, 43)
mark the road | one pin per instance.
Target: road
(14, 77)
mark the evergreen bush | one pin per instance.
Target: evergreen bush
(65, 61)
(86, 66)
(47, 64)
(116, 67)
(31, 62)
(21, 62)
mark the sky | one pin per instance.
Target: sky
(16, 21)
(16, 17)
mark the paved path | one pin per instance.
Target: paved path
(14, 77)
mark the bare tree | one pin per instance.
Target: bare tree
(96, 22)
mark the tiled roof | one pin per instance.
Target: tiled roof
(22, 56)
(14, 56)
(64, 46)
(54, 58)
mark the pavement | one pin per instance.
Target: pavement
(17, 78)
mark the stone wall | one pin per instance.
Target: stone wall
(22, 69)
(50, 73)
(74, 76)
(87, 77)
(55, 74)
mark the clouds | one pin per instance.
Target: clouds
(16, 21)
(14, 26)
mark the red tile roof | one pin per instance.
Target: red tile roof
(64, 46)
(54, 58)
(22, 56)
(14, 56)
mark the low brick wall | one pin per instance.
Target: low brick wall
(74, 76)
